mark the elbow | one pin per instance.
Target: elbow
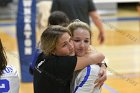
(101, 57)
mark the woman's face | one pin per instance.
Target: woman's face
(81, 41)
(64, 46)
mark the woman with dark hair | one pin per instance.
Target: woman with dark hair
(3, 62)
(8, 75)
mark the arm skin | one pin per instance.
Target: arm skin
(102, 76)
(102, 72)
(88, 59)
(96, 19)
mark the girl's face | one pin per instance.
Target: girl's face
(81, 41)
(64, 46)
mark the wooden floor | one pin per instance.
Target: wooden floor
(121, 48)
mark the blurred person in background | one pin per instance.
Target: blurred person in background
(138, 8)
(42, 14)
(80, 9)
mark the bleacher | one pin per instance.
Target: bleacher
(8, 9)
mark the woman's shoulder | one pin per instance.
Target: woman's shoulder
(56, 58)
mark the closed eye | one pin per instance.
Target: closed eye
(77, 40)
(86, 41)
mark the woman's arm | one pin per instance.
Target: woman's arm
(88, 59)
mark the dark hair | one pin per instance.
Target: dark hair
(3, 61)
(58, 18)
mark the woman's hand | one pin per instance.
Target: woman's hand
(102, 76)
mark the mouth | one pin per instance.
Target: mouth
(80, 51)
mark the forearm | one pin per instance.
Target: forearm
(99, 25)
(89, 59)
(93, 50)
(96, 19)
(97, 58)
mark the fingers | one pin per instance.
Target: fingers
(101, 38)
(101, 72)
(100, 81)
(102, 78)
(99, 84)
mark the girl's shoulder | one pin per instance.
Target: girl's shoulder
(10, 71)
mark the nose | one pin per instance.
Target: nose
(82, 44)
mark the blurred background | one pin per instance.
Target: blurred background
(121, 20)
